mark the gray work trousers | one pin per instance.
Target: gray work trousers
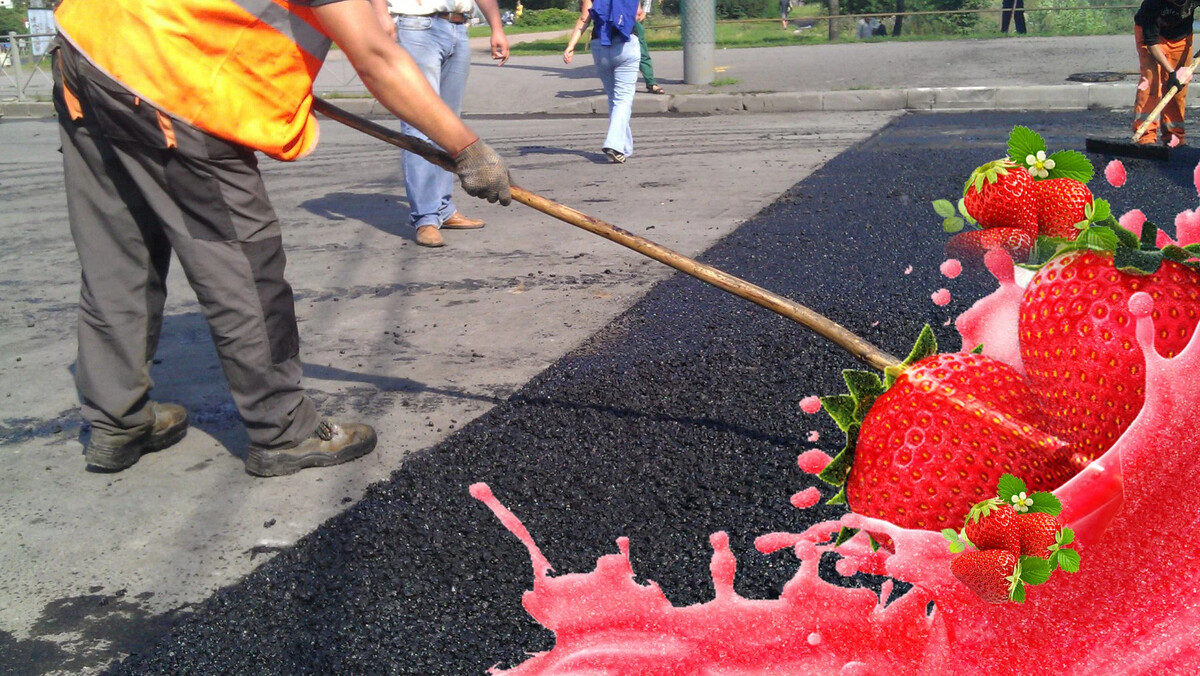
(139, 185)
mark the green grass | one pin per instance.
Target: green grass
(662, 34)
(516, 29)
(724, 81)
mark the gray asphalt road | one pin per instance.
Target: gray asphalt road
(417, 342)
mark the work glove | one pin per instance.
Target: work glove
(482, 173)
(1178, 78)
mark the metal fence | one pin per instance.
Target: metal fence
(25, 67)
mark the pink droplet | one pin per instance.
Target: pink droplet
(806, 498)
(810, 404)
(1114, 172)
(1174, 142)
(812, 462)
(813, 436)
(951, 267)
(1132, 221)
(908, 270)
(1141, 304)
(941, 297)
(814, 638)
(875, 323)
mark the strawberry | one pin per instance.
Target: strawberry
(1038, 532)
(1077, 336)
(986, 572)
(992, 524)
(1060, 205)
(1000, 194)
(934, 437)
(971, 246)
(998, 575)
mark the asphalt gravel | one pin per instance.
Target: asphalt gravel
(677, 420)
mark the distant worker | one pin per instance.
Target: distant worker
(646, 66)
(520, 11)
(785, 9)
(1012, 10)
(161, 107)
(434, 32)
(1163, 34)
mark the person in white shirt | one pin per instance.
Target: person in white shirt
(434, 32)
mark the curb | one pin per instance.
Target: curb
(1031, 97)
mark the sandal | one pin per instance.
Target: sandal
(655, 89)
(614, 155)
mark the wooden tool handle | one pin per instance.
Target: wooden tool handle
(1163, 102)
(822, 325)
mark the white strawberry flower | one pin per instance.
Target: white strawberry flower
(1039, 165)
(1021, 502)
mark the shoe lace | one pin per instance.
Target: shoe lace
(324, 430)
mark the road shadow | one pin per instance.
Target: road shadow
(386, 213)
(593, 157)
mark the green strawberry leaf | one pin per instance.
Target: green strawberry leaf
(1016, 593)
(1065, 537)
(839, 499)
(874, 545)
(1067, 560)
(1023, 142)
(1034, 571)
(978, 349)
(843, 535)
(953, 224)
(1008, 486)
(1098, 238)
(1174, 252)
(840, 407)
(1125, 237)
(1045, 502)
(1137, 261)
(1149, 239)
(838, 469)
(1070, 164)
(863, 384)
(962, 209)
(944, 208)
(926, 346)
(1098, 210)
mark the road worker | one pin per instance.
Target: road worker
(1162, 30)
(161, 106)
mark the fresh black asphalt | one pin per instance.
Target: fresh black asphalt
(677, 420)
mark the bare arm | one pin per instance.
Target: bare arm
(491, 12)
(385, 17)
(390, 74)
(585, 17)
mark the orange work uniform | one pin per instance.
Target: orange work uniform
(241, 70)
(1167, 24)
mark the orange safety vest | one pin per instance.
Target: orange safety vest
(241, 70)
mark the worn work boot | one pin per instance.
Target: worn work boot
(170, 425)
(428, 235)
(459, 222)
(331, 444)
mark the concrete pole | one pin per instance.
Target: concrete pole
(14, 55)
(833, 12)
(698, 20)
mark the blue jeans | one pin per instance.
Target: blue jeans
(618, 66)
(441, 51)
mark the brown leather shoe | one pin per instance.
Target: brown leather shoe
(428, 235)
(170, 425)
(331, 444)
(459, 222)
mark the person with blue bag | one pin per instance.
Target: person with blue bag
(617, 53)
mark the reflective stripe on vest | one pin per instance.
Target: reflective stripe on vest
(241, 70)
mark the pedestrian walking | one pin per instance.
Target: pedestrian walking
(1014, 11)
(1162, 32)
(161, 107)
(616, 52)
(645, 65)
(434, 32)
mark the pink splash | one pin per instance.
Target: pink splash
(951, 267)
(806, 498)
(812, 462)
(941, 297)
(1133, 222)
(1127, 611)
(908, 270)
(1114, 173)
(992, 320)
(813, 435)
(810, 404)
